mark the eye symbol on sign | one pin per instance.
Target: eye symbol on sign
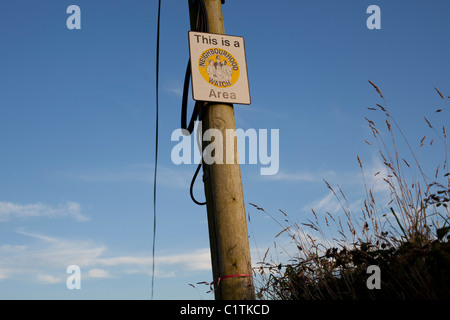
(219, 68)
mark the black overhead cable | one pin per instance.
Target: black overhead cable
(156, 146)
(201, 25)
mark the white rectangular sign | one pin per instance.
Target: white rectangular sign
(218, 68)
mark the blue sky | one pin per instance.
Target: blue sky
(77, 130)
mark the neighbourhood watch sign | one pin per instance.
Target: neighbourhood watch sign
(218, 68)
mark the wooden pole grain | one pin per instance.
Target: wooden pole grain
(227, 224)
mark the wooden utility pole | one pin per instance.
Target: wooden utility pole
(230, 252)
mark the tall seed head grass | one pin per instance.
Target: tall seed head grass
(407, 237)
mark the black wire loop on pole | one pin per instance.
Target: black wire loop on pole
(201, 25)
(191, 189)
(190, 128)
(197, 105)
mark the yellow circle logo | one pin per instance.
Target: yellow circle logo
(218, 67)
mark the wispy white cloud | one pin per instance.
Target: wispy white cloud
(178, 91)
(98, 273)
(45, 251)
(355, 187)
(327, 203)
(49, 279)
(4, 273)
(375, 174)
(6, 248)
(174, 87)
(292, 177)
(10, 211)
(44, 259)
(166, 265)
(193, 261)
(169, 177)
